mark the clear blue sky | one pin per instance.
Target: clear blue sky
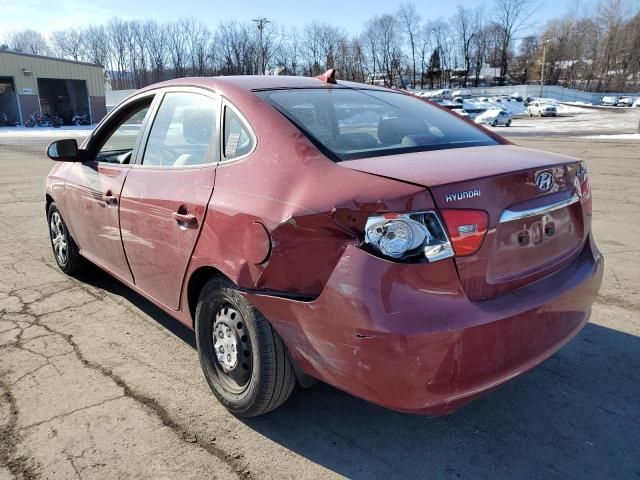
(49, 15)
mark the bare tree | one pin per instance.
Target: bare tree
(466, 25)
(95, 45)
(67, 43)
(384, 41)
(410, 20)
(509, 16)
(28, 41)
(156, 46)
(425, 49)
(598, 51)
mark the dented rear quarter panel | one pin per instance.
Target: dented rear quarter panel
(295, 192)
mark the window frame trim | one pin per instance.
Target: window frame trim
(336, 158)
(223, 160)
(96, 137)
(213, 151)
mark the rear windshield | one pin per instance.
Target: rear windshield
(356, 123)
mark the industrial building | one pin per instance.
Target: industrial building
(35, 84)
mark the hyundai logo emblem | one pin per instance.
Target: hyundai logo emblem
(544, 181)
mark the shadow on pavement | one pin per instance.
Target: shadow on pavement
(95, 277)
(575, 416)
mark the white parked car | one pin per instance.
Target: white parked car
(609, 100)
(626, 101)
(495, 117)
(442, 93)
(464, 93)
(542, 109)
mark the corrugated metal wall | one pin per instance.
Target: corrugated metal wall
(13, 65)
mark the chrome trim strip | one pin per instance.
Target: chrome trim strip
(511, 215)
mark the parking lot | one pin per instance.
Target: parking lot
(95, 382)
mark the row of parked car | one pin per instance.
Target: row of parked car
(614, 101)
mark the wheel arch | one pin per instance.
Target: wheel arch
(48, 201)
(197, 280)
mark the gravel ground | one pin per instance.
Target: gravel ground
(95, 382)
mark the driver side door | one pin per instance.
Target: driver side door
(93, 186)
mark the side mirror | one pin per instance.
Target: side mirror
(64, 150)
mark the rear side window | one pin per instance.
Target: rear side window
(356, 123)
(183, 131)
(238, 140)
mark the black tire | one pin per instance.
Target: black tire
(70, 262)
(262, 377)
(508, 124)
(494, 123)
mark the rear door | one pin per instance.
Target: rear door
(166, 193)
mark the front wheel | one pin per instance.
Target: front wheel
(244, 360)
(65, 249)
(508, 124)
(494, 123)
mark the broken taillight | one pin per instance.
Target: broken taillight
(466, 228)
(423, 234)
(584, 188)
(408, 235)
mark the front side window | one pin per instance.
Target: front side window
(122, 137)
(183, 131)
(356, 123)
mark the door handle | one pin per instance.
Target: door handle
(185, 219)
(109, 199)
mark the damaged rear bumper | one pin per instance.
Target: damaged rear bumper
(406, 337)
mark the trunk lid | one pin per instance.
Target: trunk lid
(533, 230)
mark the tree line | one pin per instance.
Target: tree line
(596, 50)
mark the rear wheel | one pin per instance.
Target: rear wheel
(494, 123)
(65, 249)
(508, 124)
(243, 358)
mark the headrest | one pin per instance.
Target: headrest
(197, 124)
(392, 130)
(357, 141)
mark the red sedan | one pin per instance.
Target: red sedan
(312, 229)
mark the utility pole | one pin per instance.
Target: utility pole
(260, 23)
(544, 54)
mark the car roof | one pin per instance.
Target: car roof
(259, 82)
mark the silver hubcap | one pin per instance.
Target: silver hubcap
(226, 345)
(58, 238)
(232, 348)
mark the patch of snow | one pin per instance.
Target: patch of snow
(619, 136)
(45, 131)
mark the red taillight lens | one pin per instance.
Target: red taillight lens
(467, 229)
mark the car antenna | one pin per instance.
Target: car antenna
(328, 77)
